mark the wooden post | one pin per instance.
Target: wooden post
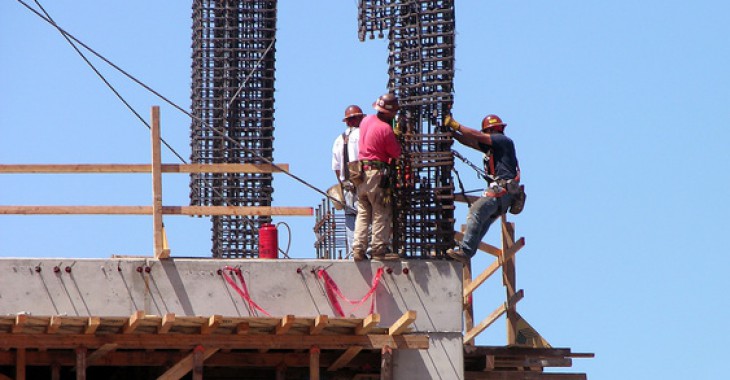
(157, 237)
(20, 363)
(81, 363)
(314, 363)
(509, 278)
(55, 371)
(386, 363)
(198, 358)
(281, 371)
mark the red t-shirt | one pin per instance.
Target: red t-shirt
(377, 140)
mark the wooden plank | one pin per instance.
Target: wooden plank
(185, 365)
(281, 371)
(55, 323)
(345, 358)
(166, 210)
(491, 318)
(140, 168)
(156, 183)
(492, 250)
(320, 322)
(509, 278)
(232, 341)
(20, 364)
(402, 323)
(167, 321)
(20, 320)
(213, 322)
(286, 323)
(369, 323)
(5, 377)
(55, 371)
(508, 254)
(314, 363)
(386, 364)
(100, 353)
(133, 321)
(466, 276)
(91, 325)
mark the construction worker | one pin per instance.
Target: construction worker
(344, 151)
(500, 161)
(379, 149)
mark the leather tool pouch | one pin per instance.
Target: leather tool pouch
(355, 169)
(518, 201)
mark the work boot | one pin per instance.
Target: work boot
(378, 256)
(358, 256)
(458, 255)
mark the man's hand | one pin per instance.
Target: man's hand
(451, 123)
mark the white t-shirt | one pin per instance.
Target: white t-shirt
(337, 148)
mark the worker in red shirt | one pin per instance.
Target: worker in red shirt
(378, 149)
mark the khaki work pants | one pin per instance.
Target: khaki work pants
(374, 213)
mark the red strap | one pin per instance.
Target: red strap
(243, 290)
(333, 291)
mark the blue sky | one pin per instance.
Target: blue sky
(619, 111)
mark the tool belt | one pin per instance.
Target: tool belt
(500, 187)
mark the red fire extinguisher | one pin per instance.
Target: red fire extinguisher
(268, 242)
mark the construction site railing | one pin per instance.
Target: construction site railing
(156, 168)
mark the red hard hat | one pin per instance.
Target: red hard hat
(352, 111)
(493, 121)
(387, 103)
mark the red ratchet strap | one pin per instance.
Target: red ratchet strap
(242, 291)
(333, 291)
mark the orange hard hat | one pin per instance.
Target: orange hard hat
(387, 103)
(352, 111)
(493, 122)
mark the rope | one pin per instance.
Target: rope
(243, 290)
(333, 291)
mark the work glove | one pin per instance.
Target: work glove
(451, 123)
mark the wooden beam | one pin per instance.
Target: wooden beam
(133, 322)
(161, 358)
(5, 377)
(100, 353)
(91, 325)
(20, 363)
(213, 322)
(156, 183)
(492, 250)
(320, 322)
(345, 358)
(233, 341)
(139, 168)
(508, 254)
(166, 210)
(167, 321)
(20, 320)
(369, 323)
(386, 363)
(54, 324)
(314, 363)
(55, 371)
(185, 365)
(281, 371)
(286, 323)
(402, 323)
